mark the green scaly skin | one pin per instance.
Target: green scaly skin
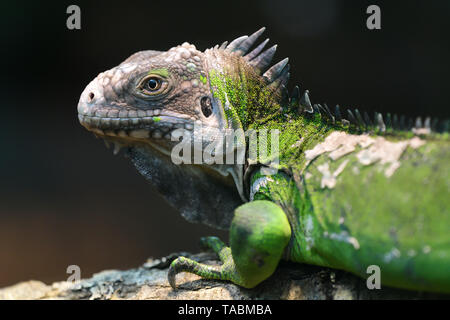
(345, 194)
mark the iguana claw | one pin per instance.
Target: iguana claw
(171, 277)
(183, 264)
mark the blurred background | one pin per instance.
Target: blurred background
(65, 199)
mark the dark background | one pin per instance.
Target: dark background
(65, 199)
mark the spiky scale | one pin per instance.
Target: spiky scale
(250, 41)
(281, 80)
(321, 110)
(257, 50)
(305, 102)
(263, 60)
(337, 113)
(367, 120)
(418, 123)
(360, 119)
(295, 96)
(295, 100)
(388, 121)
(380, 123)
(275, 71)
(285, 103)
(277, 80)
(328, 112)
(352, 118)
(427, 123)
(236, 42)
(284, 77)
(223, 45)
(316, 109)
(395, 124)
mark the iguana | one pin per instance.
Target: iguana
(338, 189)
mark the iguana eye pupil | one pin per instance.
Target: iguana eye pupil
(153, 84)
(205, 103)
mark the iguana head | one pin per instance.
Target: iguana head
(142, 102)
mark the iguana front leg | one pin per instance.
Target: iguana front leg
(259, 234)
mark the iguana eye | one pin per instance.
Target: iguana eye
(153, 84)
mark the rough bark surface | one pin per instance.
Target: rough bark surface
(290, 281)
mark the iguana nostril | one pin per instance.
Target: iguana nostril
(91, 96)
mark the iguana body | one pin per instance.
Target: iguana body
(344, 193)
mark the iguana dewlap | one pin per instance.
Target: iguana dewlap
(346, 190)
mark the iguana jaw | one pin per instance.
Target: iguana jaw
(145, 131)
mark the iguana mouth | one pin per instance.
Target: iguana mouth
(154, 131)
(156, 126)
